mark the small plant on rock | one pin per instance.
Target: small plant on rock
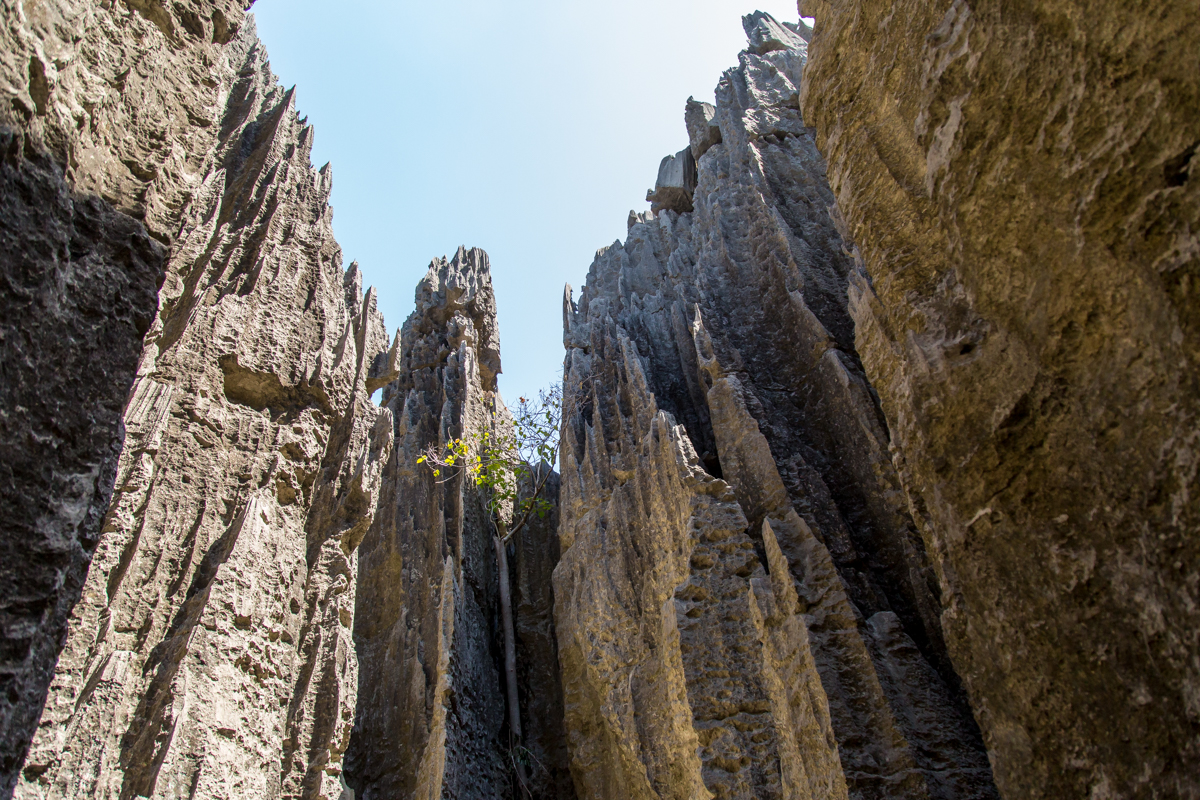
(503, 461)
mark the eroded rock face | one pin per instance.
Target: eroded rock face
(1020, 183)
(124, 95)
(431, 715)
(80, 290)
(105, 123)
(210, 654)
(833, 488)
(744, 605)
(536, 553)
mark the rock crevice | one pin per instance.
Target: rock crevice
(877, 443)
(732, 318)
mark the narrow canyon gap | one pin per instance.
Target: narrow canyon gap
(878, 445)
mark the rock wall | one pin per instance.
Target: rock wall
(108, 113)
(877, 469)
(1019, 180)
(744, 605)
(210, 654)
(432, 719)
(431, 709)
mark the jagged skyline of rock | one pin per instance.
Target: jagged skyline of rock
(616, 93)
(877, 436)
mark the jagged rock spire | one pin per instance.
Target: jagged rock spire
(764, 610)
(210, 653)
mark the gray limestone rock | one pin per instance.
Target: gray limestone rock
(719, 355)
(1019, 186)
(103, 127)
(431, 718)
(686, 665)
(675, 184)
(210, 653)
(766, 34)
(878, 470)
(80, 289)
(703, 131)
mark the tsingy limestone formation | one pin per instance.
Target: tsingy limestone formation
(879, 470)
(431, 716)
(107, 114)
(1020, 182)
(210, 655)
(744, 605)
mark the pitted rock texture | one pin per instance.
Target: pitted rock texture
(105, 123)
(210, 655)
(126, 95)
(431, 717)
(80, 289)
(687, 670)
(1020, 181)
(740, 572)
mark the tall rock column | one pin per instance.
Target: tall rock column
(687, 668)
(108, 111)
(726, 311)
(431, 714)
(210, 654)
(1020, 182)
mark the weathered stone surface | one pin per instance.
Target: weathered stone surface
(80, 287)
(832, 488)
(1020, 182)
(703, 131)
(210, 654)
(104, 124)
(732, 320)
(766, 34)
(125, 95)
(675, 183)
(686, 667)
(431, 716)
(537, 552)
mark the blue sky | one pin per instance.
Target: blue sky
(529, 128)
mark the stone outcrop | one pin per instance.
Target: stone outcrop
(744, 605)
(878, 466)
(432, 712)
(80, 284)
(211, 654)
(105, 121)
(675, 183)
(432, 719)
(432, 715)
(1019, 181)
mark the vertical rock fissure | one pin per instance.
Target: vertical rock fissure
(732, 310)
(441, 649)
